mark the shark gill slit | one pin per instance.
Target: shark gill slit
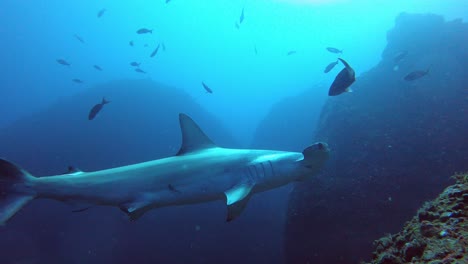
(272, 169)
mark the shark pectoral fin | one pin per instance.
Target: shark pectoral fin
(235, 209)
(236, 199)
(135, 210)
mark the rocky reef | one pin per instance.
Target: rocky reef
(438, 234)
(394, 144)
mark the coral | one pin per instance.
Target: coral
(437, 234)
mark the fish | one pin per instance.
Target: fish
(334, 50)
(155, 51)
(414, 75)
(63, 62)
(80, 39)
(135, 64)
(208, 89)
(163, 46)
(97, 67)
(144, 31)
(241, 18)
(400, 56)
(146, 45)
(96, 109)
(291, 52)
(237, 25)
(139, 70)
(201, 170)
(330, 67)
(255, 50)
(77, 81)
(343, 80)
(167, 1)
(130, 43)
(101, 12)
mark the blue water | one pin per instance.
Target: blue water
(201, 43)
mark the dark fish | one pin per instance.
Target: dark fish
(146, 45)
(172, 188)
(167, 1)
(241, 16)
(334, 50)
(343, 80)
(291, 52)
(144, 31)
(416, 75)
(63, 62)
(77, 81)
(130, 43)
(208, 89)
(163, 46)
(255, 49)
(400, 56)
(101, 12)
(139, 70)
(135, 64)
(330, 66)
(97, 68)
(95, 110)
(80, 39)
(155, 51)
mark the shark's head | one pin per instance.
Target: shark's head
(315, 157)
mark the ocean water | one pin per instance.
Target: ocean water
(274, 56)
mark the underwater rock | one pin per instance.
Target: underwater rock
(437, 241)
(394, 144)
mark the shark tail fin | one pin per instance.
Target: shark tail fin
(13, 194)
(104, 101)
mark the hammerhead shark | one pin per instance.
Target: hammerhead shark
(200, 172)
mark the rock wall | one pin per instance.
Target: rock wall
(395, 144)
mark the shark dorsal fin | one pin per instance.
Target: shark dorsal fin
(193, 138)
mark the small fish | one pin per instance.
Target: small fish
(63, 62)
(255, 50)
(155, 51)
(241, 19)
(163, 46)
(291, 52)
(80, 39)
(96, 109)
(139, 70)
(237, 25)
(77, 81)
(208, 89)
(334, 50)
(131, 43)
(343, 80)
(416, 75)
(101, 12)
(97, 67)
(146, 45)
(400, 56)
(167, 1)
(330, 66)
(135, 64)
(144, 31)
